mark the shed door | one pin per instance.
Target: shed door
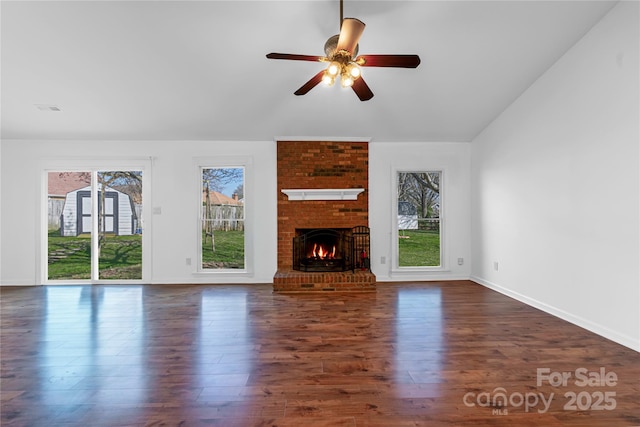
(84, 212)
(110, 222)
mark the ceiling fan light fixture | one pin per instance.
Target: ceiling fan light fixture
(354, 71)
(328, 79)
(334, 69)
(346, 80)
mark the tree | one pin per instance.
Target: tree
(111, 179)
(239, 191)
(422, 190)
(218, 178)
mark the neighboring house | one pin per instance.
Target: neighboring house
(119, 216)
(219, 199)
(222, 212)
(59, 184)
(407, 216)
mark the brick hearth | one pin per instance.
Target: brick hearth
(299, 281)
(320, 165)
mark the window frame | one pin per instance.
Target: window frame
(94, 165)
(226, 162)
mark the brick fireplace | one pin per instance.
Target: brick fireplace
(327, 188)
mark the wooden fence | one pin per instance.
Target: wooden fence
(223, 218)
(55, 207)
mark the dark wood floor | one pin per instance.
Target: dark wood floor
(410, 354)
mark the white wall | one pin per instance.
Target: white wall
(174, 190)
(385, 159)
(174, 183)
(555, 187)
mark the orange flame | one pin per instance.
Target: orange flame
(321, 252)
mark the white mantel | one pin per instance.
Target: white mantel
(323, 193)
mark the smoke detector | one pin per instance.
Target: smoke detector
(47, 107)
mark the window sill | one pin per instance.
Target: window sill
(421, 270)
(224, 272)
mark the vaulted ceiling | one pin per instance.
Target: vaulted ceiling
(196, 70)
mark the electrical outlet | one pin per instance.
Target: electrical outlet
(188, 261)
(383, 260)
(460, 261)
(495, 265)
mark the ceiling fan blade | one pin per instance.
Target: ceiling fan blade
(295, 57)
(350, 32)
(362, 89)
(313, 82)
(400, 61)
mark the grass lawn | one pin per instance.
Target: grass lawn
(229, 251)
(121, 256)
(70, 257)
(419, 248)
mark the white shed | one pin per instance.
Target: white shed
(120, 217)
(407, 216)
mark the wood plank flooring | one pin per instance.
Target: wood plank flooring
(410, 354)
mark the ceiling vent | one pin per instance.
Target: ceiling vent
(47, 107)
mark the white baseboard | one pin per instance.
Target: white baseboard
(625, 340)
(421, 277)
(17, 283)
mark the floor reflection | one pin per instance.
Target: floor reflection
(85, 332)
(420, 344)
(225, 350)
(126, 346)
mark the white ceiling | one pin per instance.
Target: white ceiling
(197, 70)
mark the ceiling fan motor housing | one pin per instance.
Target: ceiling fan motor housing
(332, 44)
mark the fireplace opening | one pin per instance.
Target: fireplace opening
(331, 249)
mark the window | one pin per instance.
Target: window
(418, 219)
(222, 218)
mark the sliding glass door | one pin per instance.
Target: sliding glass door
(94, 225)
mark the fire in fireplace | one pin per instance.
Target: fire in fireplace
(331, 249)
(320, 252)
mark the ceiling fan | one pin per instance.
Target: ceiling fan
(341, 52)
